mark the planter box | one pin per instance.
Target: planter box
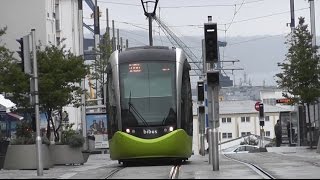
(3, 150)
(86, 155)
(25, 157)
(64, 154)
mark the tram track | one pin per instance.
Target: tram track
(174, 172)
(113, 172)
(264, 174)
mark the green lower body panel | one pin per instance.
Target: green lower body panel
(177, 144)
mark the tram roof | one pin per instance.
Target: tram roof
(147, 53)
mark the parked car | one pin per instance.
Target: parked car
(240, 149)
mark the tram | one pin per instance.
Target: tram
(149, 104)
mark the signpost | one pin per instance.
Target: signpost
(259, 107)
(256, 106)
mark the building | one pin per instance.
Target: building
(239, 118)
(56, 23)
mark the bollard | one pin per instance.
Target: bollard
(210, 144)
(202, 147)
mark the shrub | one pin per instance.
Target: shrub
(25, 135)
(71, 137)
(76, 140)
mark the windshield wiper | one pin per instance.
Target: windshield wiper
(136, 112)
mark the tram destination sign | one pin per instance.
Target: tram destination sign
(283, 100)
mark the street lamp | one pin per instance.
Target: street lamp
(150, 13)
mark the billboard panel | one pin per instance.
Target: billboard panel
(97, 127)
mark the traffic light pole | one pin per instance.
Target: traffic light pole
(210, 57)
(36, 98)
(213, 97)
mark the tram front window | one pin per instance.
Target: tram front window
(148, 93)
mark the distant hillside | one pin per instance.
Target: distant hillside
(258, 55)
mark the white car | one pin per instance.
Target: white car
(240, 149)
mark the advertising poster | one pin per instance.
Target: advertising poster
(97, 127)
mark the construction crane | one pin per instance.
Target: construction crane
(175, 41)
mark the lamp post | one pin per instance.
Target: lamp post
(149, 12)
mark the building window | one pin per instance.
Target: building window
(245, 133)
(268, 133)
(267, 118)
(245, 119)
(224, 135)
(229, 135)
(226, 120)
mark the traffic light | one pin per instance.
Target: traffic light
(213, 78)
(20, 41)
(211, 42)
(200, 86)
(24, 54)
(261, 114)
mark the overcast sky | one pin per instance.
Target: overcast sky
(249, 17)
(244, 18)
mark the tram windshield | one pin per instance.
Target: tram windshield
(148, 93)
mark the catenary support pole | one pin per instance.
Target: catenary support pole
(83, 97)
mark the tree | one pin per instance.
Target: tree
(100, 66)
(300, 76)
(60, 74)
(12, 78)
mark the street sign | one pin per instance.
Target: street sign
(257, 105)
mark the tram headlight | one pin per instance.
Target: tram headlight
(128, 131)
(133, 131)
(170, 128)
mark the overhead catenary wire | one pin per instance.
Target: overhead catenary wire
(176, 7)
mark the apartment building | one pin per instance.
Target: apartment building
(239, 118)
(54, 21)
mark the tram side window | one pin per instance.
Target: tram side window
(112, 109)
(186, 97)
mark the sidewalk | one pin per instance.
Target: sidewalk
(197, 167)
(95, 163)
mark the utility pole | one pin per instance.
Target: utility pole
(127, 43)
(121, 43)
(97, 42)
(83, 88)
(108, 28)
(113, 38)
(118, 40)
(292, 23)
(313, 22)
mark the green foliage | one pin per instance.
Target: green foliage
(300, 76)
(12, 79)
(71, 137)
(99, 67)
(59, 72)
(24, 130)
(25, 135)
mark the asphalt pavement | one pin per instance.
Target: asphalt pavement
(280, 162)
